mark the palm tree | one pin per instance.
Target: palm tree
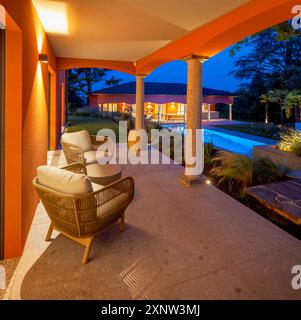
(277, 96)
(293, 101)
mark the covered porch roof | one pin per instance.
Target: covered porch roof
(136, 36)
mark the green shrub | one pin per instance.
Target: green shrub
(266, 171)
(149, 125)
(233, 171)
(237, 172)
(130, 123)
(94, 113)
(290, 141)
(87, 112)
(269, 130)
(82, 113)
(105, 115)
(124, 116)
(209, 154)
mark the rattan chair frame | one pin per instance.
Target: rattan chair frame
(76, 216)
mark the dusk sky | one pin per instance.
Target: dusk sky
(215, 72)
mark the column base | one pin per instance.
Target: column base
(192, 181)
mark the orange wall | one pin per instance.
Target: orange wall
(26, 147)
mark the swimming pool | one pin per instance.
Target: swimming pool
(229, 140)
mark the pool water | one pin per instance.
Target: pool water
(231, 143)
(237, 142)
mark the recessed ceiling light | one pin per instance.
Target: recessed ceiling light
(53, 15)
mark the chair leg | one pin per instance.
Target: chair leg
(122, 224)
(49, 232)
(87, 251)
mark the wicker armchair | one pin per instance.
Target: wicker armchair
(81, 217)
(80, 147)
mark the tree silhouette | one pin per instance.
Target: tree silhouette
(275, 55)
(81, 81)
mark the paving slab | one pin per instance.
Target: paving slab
(282, 197)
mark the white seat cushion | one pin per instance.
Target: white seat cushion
(63, 181)
(90, 157)
(80, 138)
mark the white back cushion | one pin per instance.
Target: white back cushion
(79, 138)
(63, 181)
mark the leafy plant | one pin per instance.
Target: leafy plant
(209, 153)
(269, 130)
(290, 141)
(278, 97)
(267, 171)
(293, 102)
(87, 112)
(238, 172)
(233, 170)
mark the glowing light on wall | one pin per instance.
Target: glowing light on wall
(43, 58)
(53, 15)
(40, 40)
(2, 17)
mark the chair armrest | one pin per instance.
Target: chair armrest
(95, 142)
(125, 185)
(76, 167)
(95, 211)
(73, 153)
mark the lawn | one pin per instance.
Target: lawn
(270, 131)
(92, 125)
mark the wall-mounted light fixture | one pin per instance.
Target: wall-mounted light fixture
(43, 58)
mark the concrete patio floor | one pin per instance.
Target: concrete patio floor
(179, 243)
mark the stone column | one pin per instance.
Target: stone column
(137, 138)
(159, 113)
(139, 122)
(230, 111)
(209, 112)
(193, 118)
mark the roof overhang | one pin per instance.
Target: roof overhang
(136, 36)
